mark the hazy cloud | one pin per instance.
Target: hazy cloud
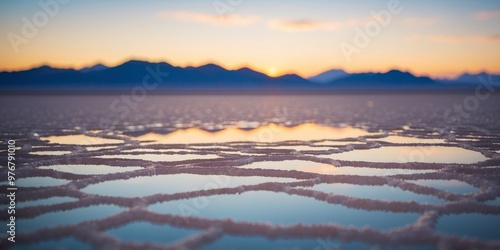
(483, 15)
(301, 25)
(459, 38)
(189, 16)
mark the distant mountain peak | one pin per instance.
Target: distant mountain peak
(476, 78)
(328, 76)
(212, 76)
(211, 66)
(96, 67)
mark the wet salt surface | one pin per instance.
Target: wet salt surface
(281, 208)
(169, 184)
(431, 154)
(89, 169)
(385, 192)
(266, 127)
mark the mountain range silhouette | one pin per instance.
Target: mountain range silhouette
(214, 77)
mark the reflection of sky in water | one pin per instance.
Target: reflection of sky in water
(169, 184)
(79, 140)
(281, 208)
(473, 225)
(363, 171)
(145, 231)
(49, 201)
(405, 139)
(296, 147)
(299, 165)
(50, 152)
(321, 168)
(412, 154)
(336, 143)
(453, 186)
(268, 133)
(384, 192)
(160, 157)
(149, 150)
(250, 243)
(494, 202)
(60, 244)
(66, 217)
(253, 242)
(40, 182)
(90, 169)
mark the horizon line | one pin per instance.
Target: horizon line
(242, 66)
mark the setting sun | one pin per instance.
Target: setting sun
(272, 72)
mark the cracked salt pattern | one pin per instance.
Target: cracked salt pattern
(283, 209)
(301, 171)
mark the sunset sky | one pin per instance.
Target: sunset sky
(435, 38)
